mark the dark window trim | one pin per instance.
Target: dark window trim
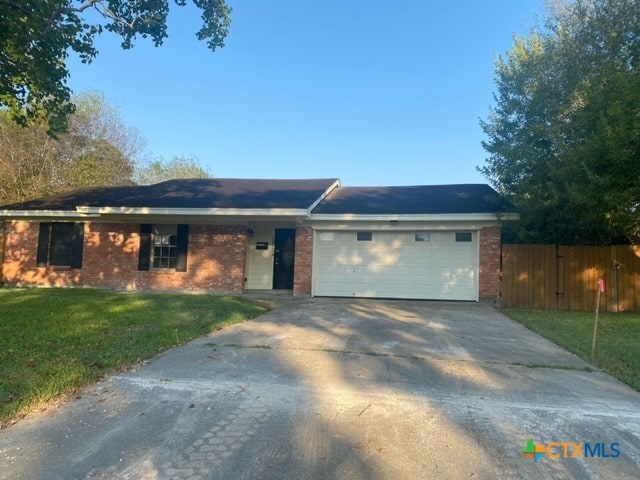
(145, 258)
(182, 249)
(364, 236)
(464, 237)
(43, 244)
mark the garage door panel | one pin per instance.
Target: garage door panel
(445, 286)
(394, 265)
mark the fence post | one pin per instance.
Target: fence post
(613, 288)
(559, 279)
(599, 292)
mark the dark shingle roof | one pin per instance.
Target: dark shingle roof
(424, 199)
(191, 193)
(237, 193)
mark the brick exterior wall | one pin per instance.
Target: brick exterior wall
(303, 261)
(215, 262)
(2, 238)
(490, 248)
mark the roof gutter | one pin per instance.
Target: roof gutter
(84, 212)
(45, 214)
(433, 217)
(235, 212)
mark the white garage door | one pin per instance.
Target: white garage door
(421, 265)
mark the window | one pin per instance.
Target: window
(60, 244)
(163, 246)
(422, 237)
(364, 236)
(327, 236)
(463, 236)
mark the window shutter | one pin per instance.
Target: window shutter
(144, 259)
(78, 241)
(43, 244)
(182, 247)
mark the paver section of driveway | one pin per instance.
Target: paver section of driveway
(325, 388)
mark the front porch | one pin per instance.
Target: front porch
(279, 258)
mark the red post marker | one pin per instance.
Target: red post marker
(601, 285)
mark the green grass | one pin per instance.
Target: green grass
(54, 341)
(618, 347)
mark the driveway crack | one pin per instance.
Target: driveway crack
(541, 365)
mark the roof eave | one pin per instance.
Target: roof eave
(224, 212)
(430, 217)
(36, 214)
(84, 212)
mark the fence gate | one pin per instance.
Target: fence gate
(565, 277)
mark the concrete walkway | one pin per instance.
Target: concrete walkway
(349, 389)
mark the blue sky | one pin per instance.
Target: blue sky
(372, 92)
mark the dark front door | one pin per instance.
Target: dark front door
(284, 257)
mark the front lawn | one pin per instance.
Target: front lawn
(54, 341)
(618, 347)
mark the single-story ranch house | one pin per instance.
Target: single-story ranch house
(312, 237)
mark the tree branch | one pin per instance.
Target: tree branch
(108, 13)
(18, 6)
(84, 7)
(101, 7)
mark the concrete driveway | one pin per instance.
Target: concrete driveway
(348, 389)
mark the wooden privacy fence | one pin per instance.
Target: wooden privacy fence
(565, 277)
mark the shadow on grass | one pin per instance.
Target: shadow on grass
(53, 341)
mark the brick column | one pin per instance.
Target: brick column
(303, 261)
(490, 263)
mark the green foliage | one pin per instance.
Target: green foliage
(178, 167)
(99, 164)
(97, 149)
(53, 341)
(564, 134)
(37, 36)
(618, 348)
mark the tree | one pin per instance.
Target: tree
(564, 134)
(178, 167)
(37, 36)
(98, 149)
